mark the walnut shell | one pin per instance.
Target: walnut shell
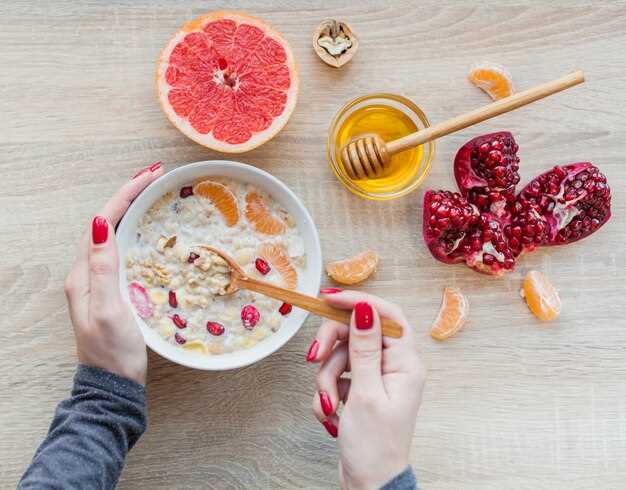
(334, 42)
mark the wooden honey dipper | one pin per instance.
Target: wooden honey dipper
(367, 156)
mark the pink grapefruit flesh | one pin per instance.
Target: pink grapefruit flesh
(228, 81)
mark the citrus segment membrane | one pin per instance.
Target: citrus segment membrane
(228, 81)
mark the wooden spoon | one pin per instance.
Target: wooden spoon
(368, 156)
(239, 280)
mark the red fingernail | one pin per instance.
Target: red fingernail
(99, 230)
(149, 168)
(310, 356)
(327, 406)
(330, 290)
(331, 428)
(363, 316)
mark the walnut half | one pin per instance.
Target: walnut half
(334, 42)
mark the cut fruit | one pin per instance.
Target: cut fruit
(541, 297)
(228, 81)
(355, 269)
(140, 300)
(452, 315)
(221, 197)
(260, 217)
(493, 79)
(278, 258)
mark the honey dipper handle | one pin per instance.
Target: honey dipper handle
(496, 108)
(312, 304)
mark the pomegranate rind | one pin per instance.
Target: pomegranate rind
(355, 269)
(493, 79)
(208, 140)
(452, 315)
(140, 300)
(541, 297)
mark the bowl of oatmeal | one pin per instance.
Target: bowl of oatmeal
(178, 289)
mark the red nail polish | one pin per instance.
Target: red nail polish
(154, 167)
(310, 356)
(327, 406)
(331, 428)
(99, 230)
(330, 290)
(363, 316)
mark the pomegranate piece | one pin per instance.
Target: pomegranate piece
(173, 301)
(262, 266)
(192, 257)
(572, 202)
(486, 171)
(179, 338)
(215, 328)
(140, 300)
(250, 316)
(178, 321)
(285, 309)
(186, 191)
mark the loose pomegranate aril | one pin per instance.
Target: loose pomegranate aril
(485, 170)
(285, 309)
(179, 338)
(262, 266)
(250, 316)
(192, 257)
(215, 328)
(172, 299)
(488, 227)
(178, 321)
(186, 191)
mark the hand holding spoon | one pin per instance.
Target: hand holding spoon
(368, 156)
(239, 280)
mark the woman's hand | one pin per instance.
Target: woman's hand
(382, 397)
(107, 335)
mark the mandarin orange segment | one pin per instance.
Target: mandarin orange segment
(493, 79)
(354, 269)
(221, 197)
(260, 217)
(278, 258)
(452, 315)
(541, 296)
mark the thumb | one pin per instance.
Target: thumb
(365, 346)
(103, 266)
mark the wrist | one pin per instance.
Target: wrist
(373, 478)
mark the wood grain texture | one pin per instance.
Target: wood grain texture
(509, 403)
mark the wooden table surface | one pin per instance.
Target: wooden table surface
(509, 403)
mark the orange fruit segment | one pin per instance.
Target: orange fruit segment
(354, 269)
(221, 197)
(452, 315)
(493, 79)
(541, 297)
(278, 258)
(260, 217)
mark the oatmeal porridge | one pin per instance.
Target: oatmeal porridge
(178, 287)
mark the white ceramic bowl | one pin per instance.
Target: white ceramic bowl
(172, 181)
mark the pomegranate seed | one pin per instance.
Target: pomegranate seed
(285, 309)
(186, 191)
(179, 338)
(488, 259)
(250, 316)
(192, 257)
(178, 321)
(172, 299)
(215, 328)
(262, 266)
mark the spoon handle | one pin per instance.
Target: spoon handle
(312, 304)
(488, 111)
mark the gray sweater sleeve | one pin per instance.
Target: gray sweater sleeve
(404, 481)
(90, 435)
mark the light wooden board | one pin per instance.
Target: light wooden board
(509, 403)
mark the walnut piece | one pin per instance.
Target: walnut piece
(334, 42)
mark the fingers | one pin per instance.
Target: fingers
(365, 350)
(326, 400)
(329, 333)
(103, 269)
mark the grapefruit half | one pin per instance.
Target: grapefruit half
(228, 81)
